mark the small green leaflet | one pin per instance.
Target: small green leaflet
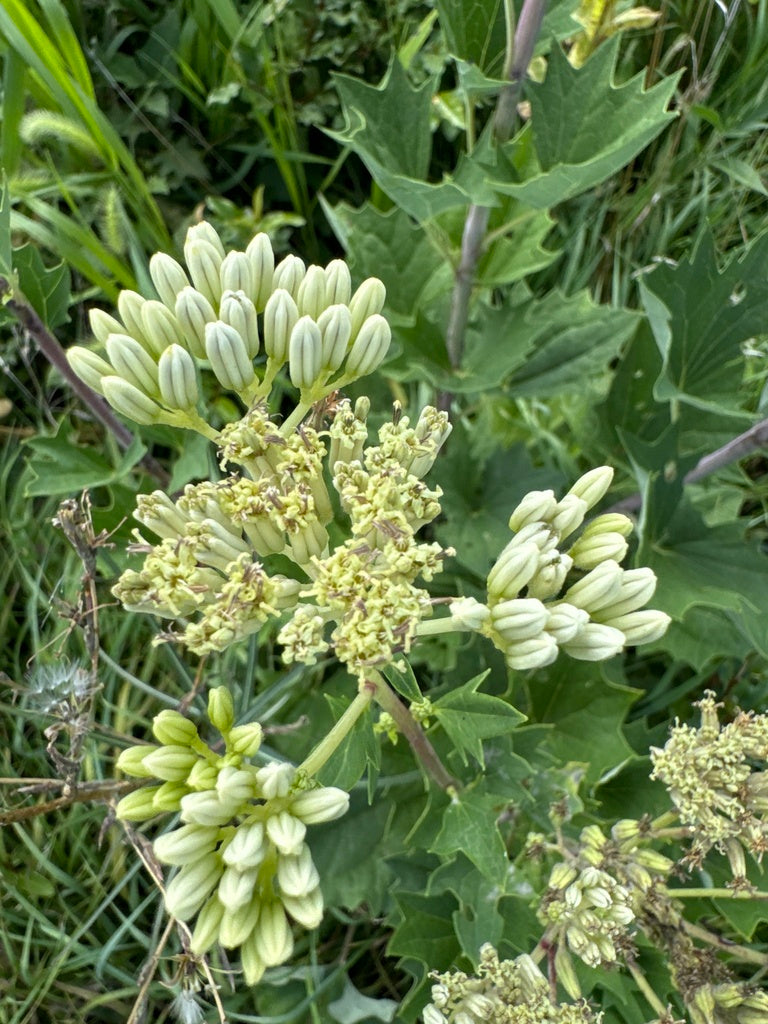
(469, 717)
(359, 753)
(470, 827)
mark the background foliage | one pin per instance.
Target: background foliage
(620, 317)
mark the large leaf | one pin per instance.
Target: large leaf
(46, 289)
(388, 127)
(586, 127)
(57, 466)
(470, 827)
(700, 316)
(475, 31)
(425, 932)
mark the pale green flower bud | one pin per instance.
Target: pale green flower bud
(275, 779)
(593, 835)
(131, 761)
(589, 551)
(203, 776)
(431, 1015)
(239, 312)
(129, 306)
(205, 808)
(734, 851)
(338, 283)
(599, 587)
(221, 709)
(609, 522)
(513, 569)
(289, 273)
(171, 727)
(161, 328)
(566, 973)
(89, 367)
(235, 787)
(137, 806)
(169, 796)
(317, 805)
(247, 848)
(102, 325)
(534, 653)
(641, 627)
(729, 996)
(262, 258)
(245, 740)
(273, 938)
(168, 277)
(186, 844)
(133, 363)
(335, 326)
(280, 317)
(653, 860)
(561, 876)
(194, 312)
(204, 263)
(702, 1005)
(519, 618)
(564, 621)
(625, 830)
(536, 506)
(593, 486)
(540, 534)
(236, 274)
(228, 356)
(595, 643)
(206, 931)
(568, 515)
(236, 887)
(550, 577)
(469, 613)
(157, 512)
(239, 922)
(190, 888)
(177, 378)
(128, 400)
(206, 231)
(286, 832)
(367, 301)
(253, 965)
(297, 874)
(310, 297)
(171, 763)
(305, 353)
(637, 587)
(369, 348)
(307, 910)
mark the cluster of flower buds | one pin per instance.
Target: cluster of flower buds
(543, 598)
(728, 1003)
(594, 897)
(358, 597)
(244, 867)
(240, 316)
(502, 992)
(717, 779)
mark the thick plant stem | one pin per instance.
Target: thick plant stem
(312, 764)
(27, 316)
(476, 223)
(414, 734)
(642, 983)
(749, 956)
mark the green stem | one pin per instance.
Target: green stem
(295, 418)
(433, 627)
(414, 734)
(312, 764)
(642, 983)
(716, 894)
(750, 956)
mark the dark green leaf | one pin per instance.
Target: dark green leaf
(585, 127)
(46, 289)
(470, 827)
(475, 31)
(59, 467)
(470, 717)
(426, 931)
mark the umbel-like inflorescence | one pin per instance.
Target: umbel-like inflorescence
(717, 778)
(316, 527)
(502, 992)
(244, 867)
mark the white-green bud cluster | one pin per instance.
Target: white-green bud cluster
(502, 992)
(216, 315)
(244, 867)
(359, 597)
(727, 1003)
(717, 778)
(544, 597)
